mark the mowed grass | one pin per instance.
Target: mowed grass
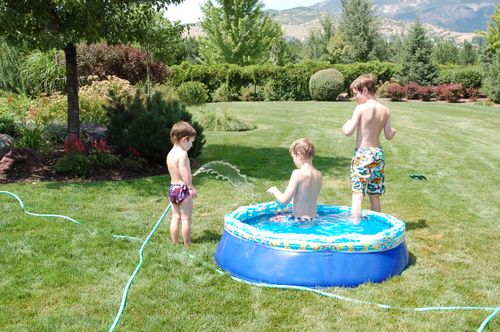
(58, 276)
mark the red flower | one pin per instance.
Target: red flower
(73, 144)
(133, 152)
(100, 145)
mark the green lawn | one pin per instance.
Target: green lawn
(58, 276)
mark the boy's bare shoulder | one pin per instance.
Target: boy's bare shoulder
(176, 154)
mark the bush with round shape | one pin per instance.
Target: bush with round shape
(395, 91)
(326, 84)
(193, 93)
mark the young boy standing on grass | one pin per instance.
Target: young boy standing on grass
(305, 182)
(181, 191)
(367, 167)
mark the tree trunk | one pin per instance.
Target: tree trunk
(72, 91)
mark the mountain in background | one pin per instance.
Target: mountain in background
(448, 19)
(455, 20)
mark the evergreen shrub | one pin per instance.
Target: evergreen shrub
(9, 126)
(469, 77)
(224, 94)
(193, 93)
(251, 92)
(143, 125)
(326, 84)
(289, 82)
(269, 91)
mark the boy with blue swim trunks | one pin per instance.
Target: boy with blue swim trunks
(367, 167)
(181, 191)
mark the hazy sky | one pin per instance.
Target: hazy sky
(189, 11)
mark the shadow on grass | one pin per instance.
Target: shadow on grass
(421, 223)
(412, 259)
(207, 236)
(268, 163)
(273, 164)
(148, 186)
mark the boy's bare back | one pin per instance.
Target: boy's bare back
(309, 182)
(368, 120)
(177, 159)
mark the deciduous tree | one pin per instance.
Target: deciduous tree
(45, 24)
(490, 57)
(238, 31)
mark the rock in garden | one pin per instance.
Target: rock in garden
(29, 158)
(93, 131)
(5, 143)
(343, 97)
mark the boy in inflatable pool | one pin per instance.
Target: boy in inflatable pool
(305, 182)
(367, 167)
(181, 191)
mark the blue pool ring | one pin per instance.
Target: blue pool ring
(249, 253)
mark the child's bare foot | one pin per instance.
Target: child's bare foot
(354, 218)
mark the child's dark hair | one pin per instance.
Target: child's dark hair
(303, 147)
(180, 130)
(368, 81)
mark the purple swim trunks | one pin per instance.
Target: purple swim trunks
(178, 193)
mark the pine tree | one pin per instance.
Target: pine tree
(238, 31)
(416, 64)
(360, 28)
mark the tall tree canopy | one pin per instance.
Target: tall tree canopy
(360, 28)
(445, 52)
(316, 44)
(238, 31)
(47, 24)
(490, 57)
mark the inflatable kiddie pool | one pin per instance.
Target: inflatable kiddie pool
(329, 251)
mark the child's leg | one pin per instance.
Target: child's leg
(174, 224)
(357, 199)
(186, 208)
(375, 203)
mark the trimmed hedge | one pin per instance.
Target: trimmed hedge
(290, 82)
(469, 77)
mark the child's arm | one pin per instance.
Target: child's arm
(389, 132)
(185, 171)
(286, 197)
(350, 126)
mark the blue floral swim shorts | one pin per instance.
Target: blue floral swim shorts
(367, 171)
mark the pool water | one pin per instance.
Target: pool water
(329, 224)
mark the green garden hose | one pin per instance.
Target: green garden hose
(481, 328)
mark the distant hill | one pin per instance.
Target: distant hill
(456, 20)
(456, 15)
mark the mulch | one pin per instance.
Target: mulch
(35, 167)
